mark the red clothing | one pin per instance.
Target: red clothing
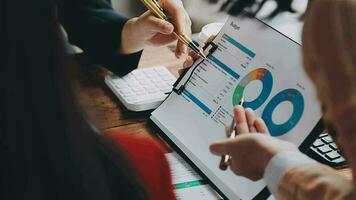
(147, 157)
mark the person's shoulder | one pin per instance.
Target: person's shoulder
(131, 142)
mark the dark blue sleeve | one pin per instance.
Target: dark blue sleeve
(96, 28)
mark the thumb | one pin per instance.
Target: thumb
(222, 147)
(155, 24)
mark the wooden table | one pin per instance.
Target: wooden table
(104, 108)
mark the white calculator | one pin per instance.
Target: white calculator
(142, 89)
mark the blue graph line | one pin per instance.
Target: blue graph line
(197, 102)
(224, 67)
(239, 45)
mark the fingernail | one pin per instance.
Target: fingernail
(185, 64)
(239, 107)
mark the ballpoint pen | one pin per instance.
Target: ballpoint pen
(157, 10)
(230, 133)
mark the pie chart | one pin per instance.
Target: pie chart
(296, 99)
(260, 74)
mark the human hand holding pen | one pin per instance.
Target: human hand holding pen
(148, 30)
(192, 56)
(252, 148)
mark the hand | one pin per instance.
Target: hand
(253, 148)
(149, 30)
(192, 57)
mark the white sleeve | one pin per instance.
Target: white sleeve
(281, 163)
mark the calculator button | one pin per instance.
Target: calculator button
(333, 146)
(138, 89)
(318, 143)
(161, 69)
(156, 80)
(170, 81)
(117, 87)
(137, 72)
(141, 77)
(126, 95)
(124, 91)
(133, 84)
(151, 97)
(157, 96)
(141, 93)
(131, 99)
(341, 159)
(152, 76)
(327, 139)
(323, 135)
(118, 81)
(165, 90)
(163, 86)
(324, 149)
(122, 86)
(166, 78)
(153, 91)
(144, 82)
(149, 86)
(149, 71)
(332, 155)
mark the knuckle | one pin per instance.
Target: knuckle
(160, 25)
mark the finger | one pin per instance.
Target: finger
(180, 49)
(155, 24)
(261, 126)
(182, 71)
(194, 55)
(188, 62)
(178, 17)
(250, 116)
(227, 131)
(182, 24)
(222, 147)
(162, 39)
(240, 118)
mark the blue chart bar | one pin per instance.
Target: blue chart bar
(239, 45)
(224, 67)
(197, 101)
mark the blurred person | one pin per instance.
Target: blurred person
(115, 41)
(48, 148)
(329, 54)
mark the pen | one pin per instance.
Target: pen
(157, 10)
(231, 133)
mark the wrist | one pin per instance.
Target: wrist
(130, 40)
(274, 148)
(280, 164)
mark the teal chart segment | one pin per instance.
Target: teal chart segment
(265, 77)
(297, 100)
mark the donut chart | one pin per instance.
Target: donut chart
(261, 74)
(297, 100)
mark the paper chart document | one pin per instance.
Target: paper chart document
(188, 185)
(252, 60)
